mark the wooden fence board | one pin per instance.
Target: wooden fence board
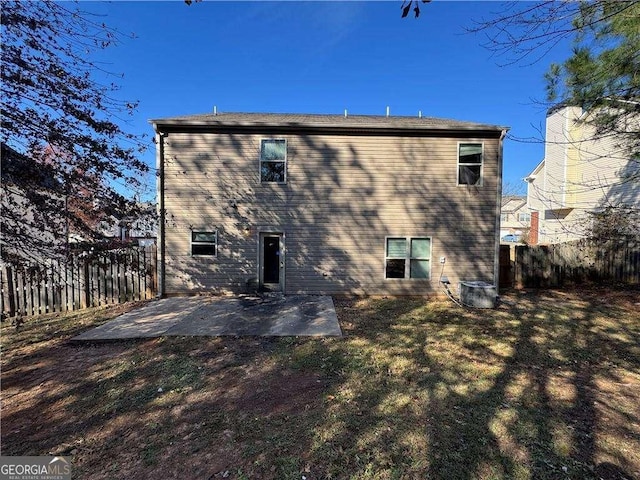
(10, 292)
(112, 297)
(18, 282)
(4, 299)
(79, 282)
(576, 262)
(3, 289)
(29, 301)
(73, 286)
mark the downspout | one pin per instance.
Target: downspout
(161, 210)
(496, 261)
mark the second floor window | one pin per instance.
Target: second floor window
(524, 217)
(504, 217)
(470, 164)
(273, 161)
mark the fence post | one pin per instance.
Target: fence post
(517, 270)
(149, 272)
(154, 269)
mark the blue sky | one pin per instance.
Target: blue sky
(324, 57)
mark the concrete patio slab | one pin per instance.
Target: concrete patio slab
(292, 315)
(150, 320)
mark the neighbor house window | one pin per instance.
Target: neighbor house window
(504, 217)
(204, 243)
(524, 217)
(408, 257)
(273, 161)
(470, 164)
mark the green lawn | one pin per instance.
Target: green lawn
(544, 387)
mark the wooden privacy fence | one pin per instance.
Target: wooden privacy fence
(576, 262)
(81, 281)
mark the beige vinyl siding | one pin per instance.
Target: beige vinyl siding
(536, 190)
(344, 194)
(552, 193)
(604, 166)
(580, 171)
(572, 160)
(581, 175)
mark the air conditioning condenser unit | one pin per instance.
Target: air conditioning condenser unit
(478, 294)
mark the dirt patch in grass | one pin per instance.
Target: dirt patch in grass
(544, 387)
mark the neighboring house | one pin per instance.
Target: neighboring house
(29, 232)
(514, 216)
(323, 204)
(141, 229)
(580, 173)
(34, 224)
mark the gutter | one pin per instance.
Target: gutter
(269, 129)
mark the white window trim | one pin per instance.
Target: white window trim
(458, 164)
(286, 154)
(407, 258)
(524, 219)
(192, 243)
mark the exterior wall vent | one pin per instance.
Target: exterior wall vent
(478, 294)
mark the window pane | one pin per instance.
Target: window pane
(470, 153)
(203, 237)
(395, 268)
(420, 247)
(397, 247)
(273, 150)
(469, 175)
(203, 249)
(419, 268)
(272, 172)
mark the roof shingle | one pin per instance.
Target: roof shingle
(321, 121)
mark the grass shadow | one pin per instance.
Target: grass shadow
(543, 387)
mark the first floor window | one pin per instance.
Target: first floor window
(408, 257)
(204, 243)
(273, 161)
(470, 164)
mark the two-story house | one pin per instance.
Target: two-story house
(323, 204)
(140, 229)
(514, 217)
(580, 173)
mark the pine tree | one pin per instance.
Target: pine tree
(603, 73)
